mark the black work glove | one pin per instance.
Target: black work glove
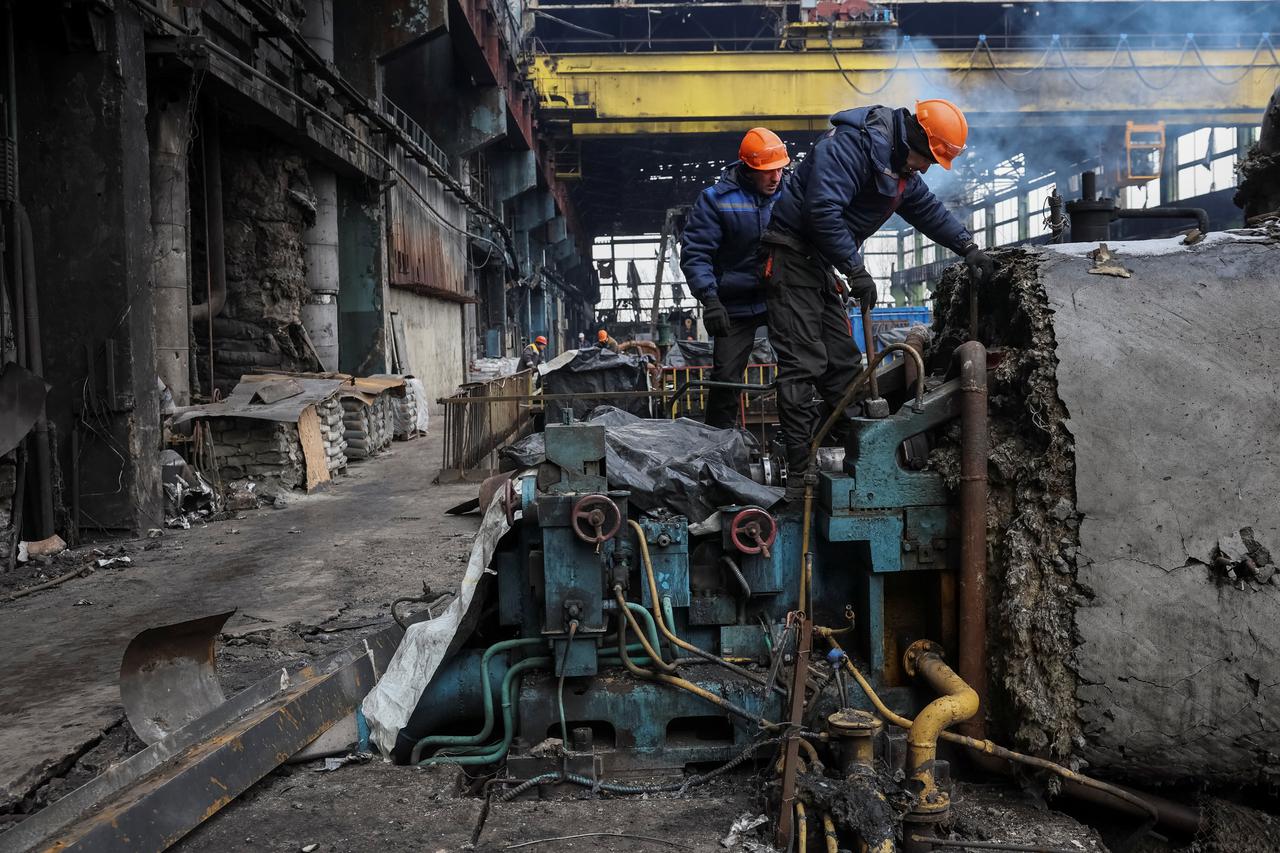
(979, 263)
(715, 317)
(861, 285)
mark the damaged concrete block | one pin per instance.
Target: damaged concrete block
(1133, 439)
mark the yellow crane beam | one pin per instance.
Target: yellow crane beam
(607, 94)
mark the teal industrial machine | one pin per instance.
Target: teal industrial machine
(581, 568)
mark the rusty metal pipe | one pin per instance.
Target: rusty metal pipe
(973, 527)
(869, 344)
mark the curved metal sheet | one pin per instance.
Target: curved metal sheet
(168, 677)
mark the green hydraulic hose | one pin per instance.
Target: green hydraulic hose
(487, 729)
(508, 721)
(645, 616)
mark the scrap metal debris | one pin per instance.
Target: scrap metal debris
(336, 762)
(745, 823)
(1104, 263)
(1241, 558)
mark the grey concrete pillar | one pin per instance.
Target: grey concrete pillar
(170, 265)
(320, 313)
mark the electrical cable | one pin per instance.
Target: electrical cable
(831, 45)
(564, 658)
(657, 788)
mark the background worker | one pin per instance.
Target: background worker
(719, 255)
(605, 341)
(532, 355)
(861, 172)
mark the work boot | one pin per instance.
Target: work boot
(797, 467)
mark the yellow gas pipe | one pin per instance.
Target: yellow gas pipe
(957, 703)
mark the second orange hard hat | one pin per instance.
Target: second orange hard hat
(946, 128)
(762, 150)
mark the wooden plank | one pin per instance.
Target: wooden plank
(313, 454)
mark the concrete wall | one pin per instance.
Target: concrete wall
(433, 337)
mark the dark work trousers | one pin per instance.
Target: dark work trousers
(730, 355)
(810, 331)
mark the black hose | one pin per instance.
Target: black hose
(431, 601)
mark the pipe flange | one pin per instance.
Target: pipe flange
(917, 650)
(854, 722)
(934, 808)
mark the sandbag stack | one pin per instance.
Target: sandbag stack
(332, 429)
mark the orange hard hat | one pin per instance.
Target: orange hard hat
(540, 341)
(946, 128)
(761, 149)
(602, 336)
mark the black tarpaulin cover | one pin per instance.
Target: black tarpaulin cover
(593, 370)
(698, 353)
(681, 465)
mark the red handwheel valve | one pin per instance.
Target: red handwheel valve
(753, 530)
(595, 519)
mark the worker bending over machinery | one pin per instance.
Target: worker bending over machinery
(532, 355)
(604, 340)
(861, 172)
(719, 255)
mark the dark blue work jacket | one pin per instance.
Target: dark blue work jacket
(850, 184)
(719, 249)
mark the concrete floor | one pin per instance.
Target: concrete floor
(338, 556)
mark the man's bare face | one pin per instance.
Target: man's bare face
(765, 181)
(916, 163)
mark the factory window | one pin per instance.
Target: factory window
(1006, 221)
(1142, 195)
(1038, 210)
(929, 250)
(979, 227)
(880, 255)
(1206, 161)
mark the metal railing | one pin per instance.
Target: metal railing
(476, 427)
(753, 409)
(415, 133)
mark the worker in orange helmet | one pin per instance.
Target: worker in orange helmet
(532, 355)
(719, 255)
(605, 341)
(863, 170)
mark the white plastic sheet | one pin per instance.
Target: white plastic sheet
(426, 644)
